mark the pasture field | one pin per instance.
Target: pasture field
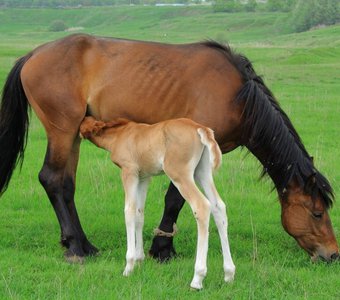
(303, 72)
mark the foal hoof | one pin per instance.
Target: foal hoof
(72, 258)
(127, 272)
(229, 276)
(195, 286)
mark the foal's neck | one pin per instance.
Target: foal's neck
(107, 138)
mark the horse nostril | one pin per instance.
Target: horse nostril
(335, 256)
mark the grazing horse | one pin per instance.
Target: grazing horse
(186, 152)
(150, 82)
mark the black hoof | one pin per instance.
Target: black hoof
(162, 248)
(73, 258)
(89, 249)
(86, 246)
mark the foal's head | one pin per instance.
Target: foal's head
(305, 217)
(92, 127)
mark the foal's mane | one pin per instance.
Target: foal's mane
(270, 136)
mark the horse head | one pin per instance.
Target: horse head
(305, 217)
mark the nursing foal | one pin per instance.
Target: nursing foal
(185, 151)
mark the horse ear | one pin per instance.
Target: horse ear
(310, 182)
(312, 159)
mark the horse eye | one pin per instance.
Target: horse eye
(317, 215)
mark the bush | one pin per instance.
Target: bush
(250, 5)
(227, 6)
(315, 12)
(58, 25)
(281, 5)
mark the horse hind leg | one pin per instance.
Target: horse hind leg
(51, 177)
(68, 194)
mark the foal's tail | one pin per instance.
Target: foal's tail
(14, 123)
(208, 140)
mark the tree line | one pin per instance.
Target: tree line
(80, 3)
(305, 14)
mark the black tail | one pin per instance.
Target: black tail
(14, 123)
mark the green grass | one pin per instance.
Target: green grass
(303, 72)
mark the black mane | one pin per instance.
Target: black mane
(270, 136)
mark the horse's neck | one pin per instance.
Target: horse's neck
(276, 170)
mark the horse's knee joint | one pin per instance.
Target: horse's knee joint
(48, 180)
(43, 177)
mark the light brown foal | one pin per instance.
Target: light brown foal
(186, 151)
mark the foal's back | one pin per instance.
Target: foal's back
(148, 147)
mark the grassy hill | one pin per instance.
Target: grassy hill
(303, 72)
(153, 21)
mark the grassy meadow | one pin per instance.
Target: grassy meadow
(303, 72)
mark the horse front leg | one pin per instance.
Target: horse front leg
(68, 193)
(162, 247)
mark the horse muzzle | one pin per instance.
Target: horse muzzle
(327, 258)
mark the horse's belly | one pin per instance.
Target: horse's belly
(150, 105)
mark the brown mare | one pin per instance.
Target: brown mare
(149, 82)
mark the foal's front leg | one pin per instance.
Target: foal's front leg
(141, 196)
(130, 182)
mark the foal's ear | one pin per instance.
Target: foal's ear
(117, 122)
(97, 127)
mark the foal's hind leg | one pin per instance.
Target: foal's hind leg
(52, 177)
(69, 189)
(201, 209)
(203, 176)
(184, 181)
